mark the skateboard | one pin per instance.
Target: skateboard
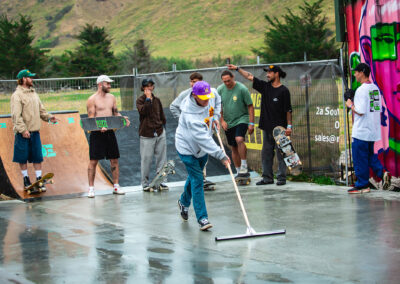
(98, 123)
(287, 150)
(36, 187)
(168, 168)
(209, 185)
(243, 180)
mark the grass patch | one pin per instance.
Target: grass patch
(318, 179)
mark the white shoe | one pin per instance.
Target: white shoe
(243, 170)
(91, 193)
(118, 190)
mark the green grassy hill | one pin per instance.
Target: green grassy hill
(174, 28)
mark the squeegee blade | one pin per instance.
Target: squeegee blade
(244, 236)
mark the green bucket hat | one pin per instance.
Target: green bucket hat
(25, 73)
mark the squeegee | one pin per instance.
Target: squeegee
(250, 232)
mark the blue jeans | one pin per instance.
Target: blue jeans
(194, 185)
(363, 159)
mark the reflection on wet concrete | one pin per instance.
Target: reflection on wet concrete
(140, 238)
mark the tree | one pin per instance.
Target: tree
(138, 56)
(287, 41)
(16, 49)
(91, 58)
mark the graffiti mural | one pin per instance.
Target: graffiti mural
(374, 38)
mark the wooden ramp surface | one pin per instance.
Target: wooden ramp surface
(65, 152)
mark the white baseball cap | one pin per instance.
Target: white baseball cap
(104, 78)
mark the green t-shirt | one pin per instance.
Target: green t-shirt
(235, 103)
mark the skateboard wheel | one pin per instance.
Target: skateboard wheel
(290, 168)
(151, 189)
(40, 184)
(173, 172)
(164, 174)
(29, 192)
(300, 163)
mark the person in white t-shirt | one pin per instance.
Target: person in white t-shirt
(366, 130)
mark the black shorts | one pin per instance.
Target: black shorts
(103, 145)
(238, 130)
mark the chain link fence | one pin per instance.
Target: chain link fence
(315, 89)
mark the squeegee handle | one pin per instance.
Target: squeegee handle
(235, 185)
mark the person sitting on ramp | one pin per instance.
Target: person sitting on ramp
(194, 142)
(26, 112)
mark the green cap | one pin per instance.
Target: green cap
(25, 73)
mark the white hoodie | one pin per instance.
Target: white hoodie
(193, 136)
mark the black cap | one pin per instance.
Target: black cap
(363, 67)
(273, 68)
(146, 82)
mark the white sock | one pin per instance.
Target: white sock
(116, 185)
(24, 173)
(91, 188)
(38, 173)
(237, 170)
(244, 163)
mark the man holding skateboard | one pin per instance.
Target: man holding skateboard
(194, 142)
(175, 108)
(103, 144)
(237, 118)
(276, 110)
(153, 142)
(26, 112)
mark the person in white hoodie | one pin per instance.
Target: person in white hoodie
(194, 142)
(175, 108)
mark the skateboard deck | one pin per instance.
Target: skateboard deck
(168, 168)
(287, 150)
(98, 123)
(244, 180)
(36, 187)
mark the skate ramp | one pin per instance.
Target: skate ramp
(129, 148)
(65, 152)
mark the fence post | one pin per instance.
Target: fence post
(135, 73)
(344, 120)
(176, 80)
(258, 60)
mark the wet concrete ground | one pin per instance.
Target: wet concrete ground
(140, 238)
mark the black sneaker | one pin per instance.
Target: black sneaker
(281, 182)
(163, 186)
(204, 224)
(262, 182)
(184, 211)
(27, 182)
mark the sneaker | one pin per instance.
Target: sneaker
(163, 186)
(386, 180)
(358, 190)
(243, 170)
(262, 182)
(184, 211)
(204, 224)
(281, 182)
(118, 190)
(27, 182)
(147, 188)
(91, 193)
(208, 182)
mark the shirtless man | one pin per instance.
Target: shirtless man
(103, 144)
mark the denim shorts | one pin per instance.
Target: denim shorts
(28, 149)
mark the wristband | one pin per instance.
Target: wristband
(351, 106)
(251, 123)
(237, 68)
(289, 126)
